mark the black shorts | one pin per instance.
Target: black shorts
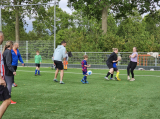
(4, 93)
(37, 65)
(116, 69)
(59, 64)
(110, 65)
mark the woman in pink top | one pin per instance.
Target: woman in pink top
(132, 64)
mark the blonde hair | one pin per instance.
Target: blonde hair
(114, 49)
(7, 45)
(85, 56)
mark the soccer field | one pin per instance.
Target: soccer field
(38, 97)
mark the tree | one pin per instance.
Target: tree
(8, 26)
(100, 8)
(22, 12)
(44, 22)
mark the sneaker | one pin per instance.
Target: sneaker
(132, 79)
(86, 82)
(112, 79)
(35, 74)
(61, 82)
(118, 79)
(82, 81)
(128, 78)
(106, 78)
(12, 102)
(14, 85)
(55, 80)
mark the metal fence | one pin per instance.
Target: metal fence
(96, 59)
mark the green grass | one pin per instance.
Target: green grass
(38, 97)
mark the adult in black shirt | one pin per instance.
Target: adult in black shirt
(112, 58)
(9, 70)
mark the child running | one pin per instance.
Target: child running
(116, 69)
(84, 69)
(38, 60)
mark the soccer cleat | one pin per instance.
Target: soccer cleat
(12, 102)
(55, 80)
(61, 82)
(118, 79)
(87, 82)
(112, 79)
(132, 79)
(128, 78)
(35, 74)
(82, 81)
(14, 85)
(106, 78)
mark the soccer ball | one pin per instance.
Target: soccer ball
(89, 72)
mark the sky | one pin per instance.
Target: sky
(62, 5)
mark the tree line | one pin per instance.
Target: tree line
(94, 26)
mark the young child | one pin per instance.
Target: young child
(116, 69)
(65, 63)
(84, 69)
(38, 60)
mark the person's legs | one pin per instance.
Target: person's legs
(56, 73)
(15, 68)
(39, 70)
(134, 64)
(128, 70)
(61, 76)
(110, 72)
(4, 106)
(8, 80)
(36, 70)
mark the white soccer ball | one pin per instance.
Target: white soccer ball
(89, 72)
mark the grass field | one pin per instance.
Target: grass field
(38, 97)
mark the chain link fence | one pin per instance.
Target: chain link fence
(96, 59)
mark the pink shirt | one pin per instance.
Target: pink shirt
(135, 58)
(1, 66)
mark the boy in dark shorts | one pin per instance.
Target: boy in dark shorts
(38, 60)
(84, 69)
(4, 93)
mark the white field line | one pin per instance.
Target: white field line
(81, 73)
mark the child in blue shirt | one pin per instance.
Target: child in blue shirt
(84, 69)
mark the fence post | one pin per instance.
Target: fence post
(26, 51)
(85, 53)
(119, 61)
(155, 61)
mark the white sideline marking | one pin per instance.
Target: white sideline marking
(81, 73)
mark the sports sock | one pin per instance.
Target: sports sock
(36, 71)
(111, 75)
(108, 74)
(117, 75)
(85, 78)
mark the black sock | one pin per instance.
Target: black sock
(108, 74)
(111, 75)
